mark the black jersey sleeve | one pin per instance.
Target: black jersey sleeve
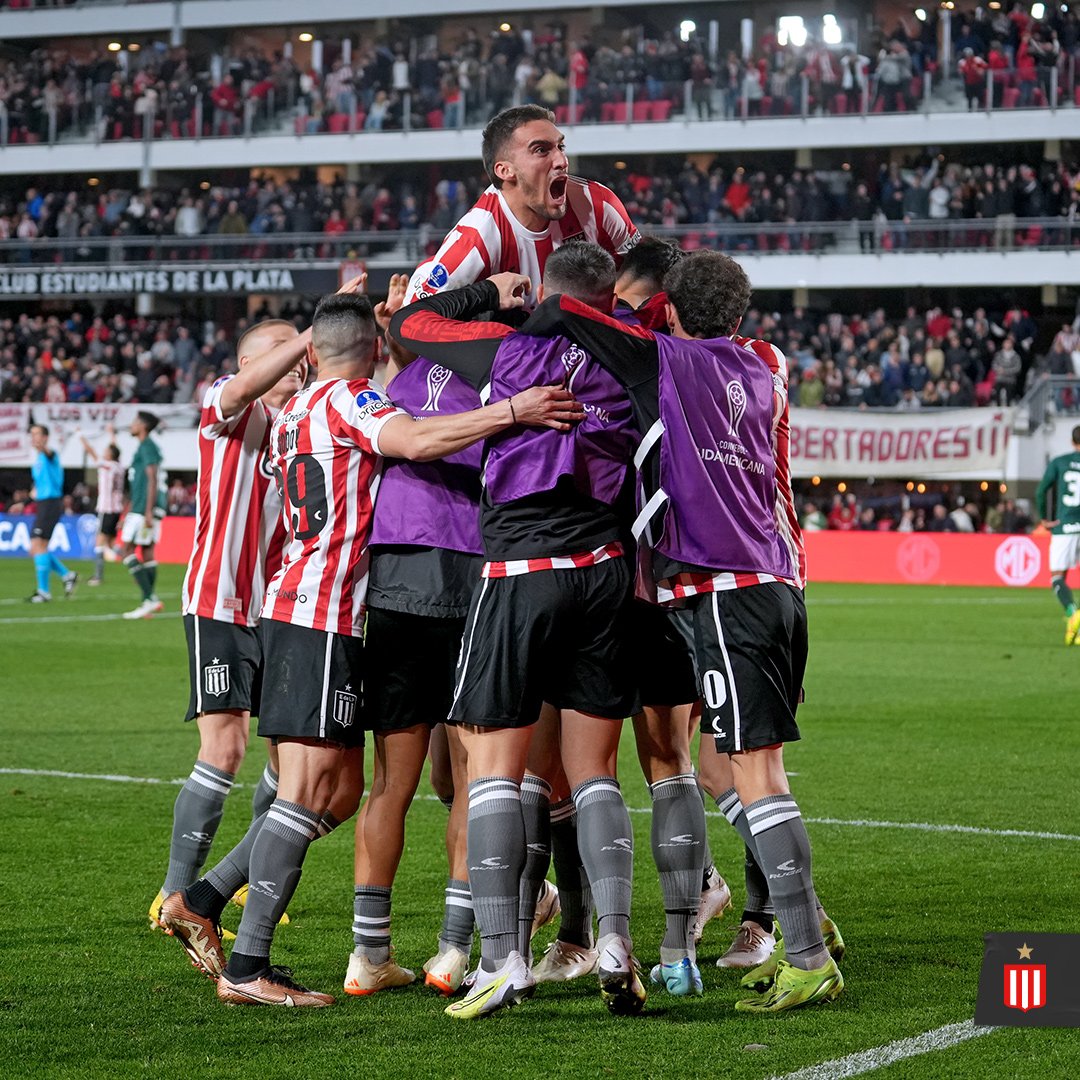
(436, 328)
(628, 352)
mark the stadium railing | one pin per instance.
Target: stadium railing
(873, 237)
(268, 111)
(1047, 397)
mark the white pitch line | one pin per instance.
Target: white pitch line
(920, 826)
(113, 617)
(865, 1061)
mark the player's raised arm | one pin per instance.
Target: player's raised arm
(437, 327)
(258, 374)
(441, 436)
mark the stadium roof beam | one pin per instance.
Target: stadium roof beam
(617, 140)
(128, 18)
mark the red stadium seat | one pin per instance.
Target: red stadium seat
(1010, 97)
(642, 112)
(984, 390)
(839, 104)
(607, 112)
(300, 125)
(361, 116)
(661, 110)
(575, 113)
(1040, 98)
(1076, 96)
(338, 123)
(435, 118)
(915, 90)
(766, 106)
(562, 114)
(618, 112)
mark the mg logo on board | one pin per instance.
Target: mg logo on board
(918, 559)
(1017, 561)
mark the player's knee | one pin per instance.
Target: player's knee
(223, 740)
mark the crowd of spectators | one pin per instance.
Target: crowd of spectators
(898, 207)
(928, 359)
(927, 511)
(400, 80)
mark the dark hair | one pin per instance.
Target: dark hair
(1076, 435)
(649, 261)
(342, 324)
(149, 420)
(710, 293)
(501, 128)
(582, 270)
(113, 452)
(44, 430)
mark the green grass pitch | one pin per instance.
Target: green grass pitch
(923, 706)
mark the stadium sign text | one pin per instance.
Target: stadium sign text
(934, 443)
(73, 536)
(194, 281)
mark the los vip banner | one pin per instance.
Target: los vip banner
(260, 277)
(945, 443)
(66, 420)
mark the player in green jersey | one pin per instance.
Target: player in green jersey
(142, 523)
(1062, 518)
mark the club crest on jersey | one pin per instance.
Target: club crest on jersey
(344, 708)
(437, 378)
(216, 679)
(736, 396)
(438, 277)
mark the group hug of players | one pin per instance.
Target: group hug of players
(571, 505)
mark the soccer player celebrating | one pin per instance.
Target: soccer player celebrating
(48, 493)
(142, 523)
(326, 446)
(239, 535)
(110, 500)
(1062, 517)
(531, 207)
(709, 408)
(548, 622)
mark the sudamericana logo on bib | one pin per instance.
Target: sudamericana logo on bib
(74, 535)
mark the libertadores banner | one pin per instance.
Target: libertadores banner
(928, 443)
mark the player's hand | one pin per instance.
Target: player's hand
(512, 289)
(354, 285)
(1050, 524)
(547, 406)
(395, 298)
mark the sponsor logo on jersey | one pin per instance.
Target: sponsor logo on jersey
(372, 403)
(344, 707)
(216, 679)
(438, 277)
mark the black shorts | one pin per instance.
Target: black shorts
(311, 684)
(224, 666)
(409, 665)
(662, 641)
(751, 653)
(45, 519)
(107, 524)
(560, 636)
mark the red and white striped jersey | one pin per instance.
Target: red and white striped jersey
(110, 486)
(516, 567)
(787, 519)
(489, 239)
(239, 531)
(325, 452)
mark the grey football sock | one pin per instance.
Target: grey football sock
(606, 843)
(232, 871)
(371, 922)
(575, 895)
(536, 817)
(496, 845)
(757, 888)
(678, 830)
(99, 563)
(265, 792)
(196, 816)
(458, 921)
(710, 865)
(784, 854)
(276, 860)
